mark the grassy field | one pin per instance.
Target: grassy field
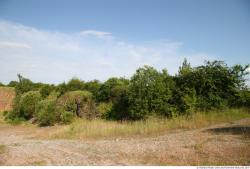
(94, 129)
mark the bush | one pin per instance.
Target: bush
(27, 104)
(120, 104)
(80, 103)
(46, 89)
(103, 109)
(66, 117)
(149, 92)
(184, 101)
(46, 112)
(24, 85)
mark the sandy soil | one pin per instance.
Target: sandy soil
(224, 144)
(7, 95)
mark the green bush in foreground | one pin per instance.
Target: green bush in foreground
(103, 109)
(46, 112)
(66, 117)
(27, 104)
(79, 103)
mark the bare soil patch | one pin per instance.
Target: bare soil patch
(7, 95)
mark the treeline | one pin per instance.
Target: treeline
(149, 92)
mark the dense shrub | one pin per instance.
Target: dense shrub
(213, 85)
(24, 85)
(120, 106)
(107, 92)
(12, 83)
(93, 87)
(242, 99)
(183, 101)
(27, 104)
(75, 84)
(46, 89)
(79, 103)
(66, 117)
(46, 112)
(149, 93)
(24, 106)
(103, 109)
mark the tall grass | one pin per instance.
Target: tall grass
(94, 129)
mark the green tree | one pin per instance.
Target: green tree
(93, 87)
(12, 83)
(75, 84)
(107, 88)
(27, 104)
(23, 85)
(149, 93)
(120, 106)
(46, 89)
(184, 94)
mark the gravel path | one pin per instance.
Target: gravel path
(224, 144)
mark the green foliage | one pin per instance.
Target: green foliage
(27, 104)
(149, 92)
(24, 106)
(242, 99)
(184, 101)
(75, 84)
(120, 103)
(12, 83)
(215, 84)
(107, 89)
(103, 109)
(93, 87)
(80, 103)
(46, 89)
(66, 117)
(24, 85)
(45, 113)
(61, 88)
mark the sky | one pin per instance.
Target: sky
(53, 41)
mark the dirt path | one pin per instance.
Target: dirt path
(224, 144)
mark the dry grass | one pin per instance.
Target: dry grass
(85, 129)
(201, 157)
(37, 163)
(2, 149)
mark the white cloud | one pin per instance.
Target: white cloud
(14, 45)
(55, 56)
(99, 34)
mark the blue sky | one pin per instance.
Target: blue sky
(53, 41)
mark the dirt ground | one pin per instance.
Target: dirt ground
(224, 144)
(7, 95)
